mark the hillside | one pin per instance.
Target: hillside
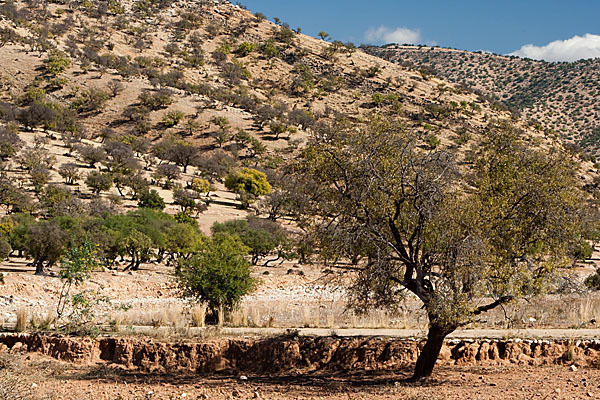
(188, 169)
(562, 97)
(199, 83)
(111, 107)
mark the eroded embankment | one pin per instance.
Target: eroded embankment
(272, 355)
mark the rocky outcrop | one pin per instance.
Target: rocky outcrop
(273, 355)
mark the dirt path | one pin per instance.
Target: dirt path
(532, 334)
(574, 334)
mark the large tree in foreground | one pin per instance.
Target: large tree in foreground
(463, 240)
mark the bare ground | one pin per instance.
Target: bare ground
(45, 378)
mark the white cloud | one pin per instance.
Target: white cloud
(399, 35)
(573, 49)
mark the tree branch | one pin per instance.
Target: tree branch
(487, 307)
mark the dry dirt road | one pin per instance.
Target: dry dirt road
(550, 333)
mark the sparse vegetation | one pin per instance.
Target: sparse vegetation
(128, 128)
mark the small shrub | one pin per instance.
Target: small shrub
(157, 100)
(56, 63)
(172, 118)
(432, 141)
(593, 281)
(99, 181)
(245, 48)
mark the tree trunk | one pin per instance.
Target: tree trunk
(39, 267)
(431, 351)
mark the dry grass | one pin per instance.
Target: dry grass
(43, 321)
(198, 315)
(22, 319)
(170, 316)
(238, 317)
(567, 311)
(117, 320)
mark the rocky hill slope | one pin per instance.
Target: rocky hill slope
(561, 97)
(104, 101)
(141, 78)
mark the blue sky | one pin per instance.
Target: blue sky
(502, 27)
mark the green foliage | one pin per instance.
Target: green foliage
(593, 281)
(248, 183)
(270, 49)
(151, 199)
(155, 100)
(5, 247)
(583, 250)
(262, 237)
(183, 240)
(432, 141)
(201, 186)
(185, 218)
(56, 62)
(277, 128)
(218, 275)
(99, 181)
(172, 118)
(377, 98)
(245, 48)
(90, 100)
(221, 122)
(76, 267)
(44, 241)
(449, 236)
(373, 71)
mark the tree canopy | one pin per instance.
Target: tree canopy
(463, 240)
(218, 275)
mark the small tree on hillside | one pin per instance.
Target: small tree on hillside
(56, 63)
(70, 173)
(151, 199)
(262, 237)
(169, 171)
(76, 268)
(91, 154)
(248, 183)
(183, 154)
(99, 181)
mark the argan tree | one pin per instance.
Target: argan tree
(183, 154)
(248, 183)
(462, 240)
(218, 274)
